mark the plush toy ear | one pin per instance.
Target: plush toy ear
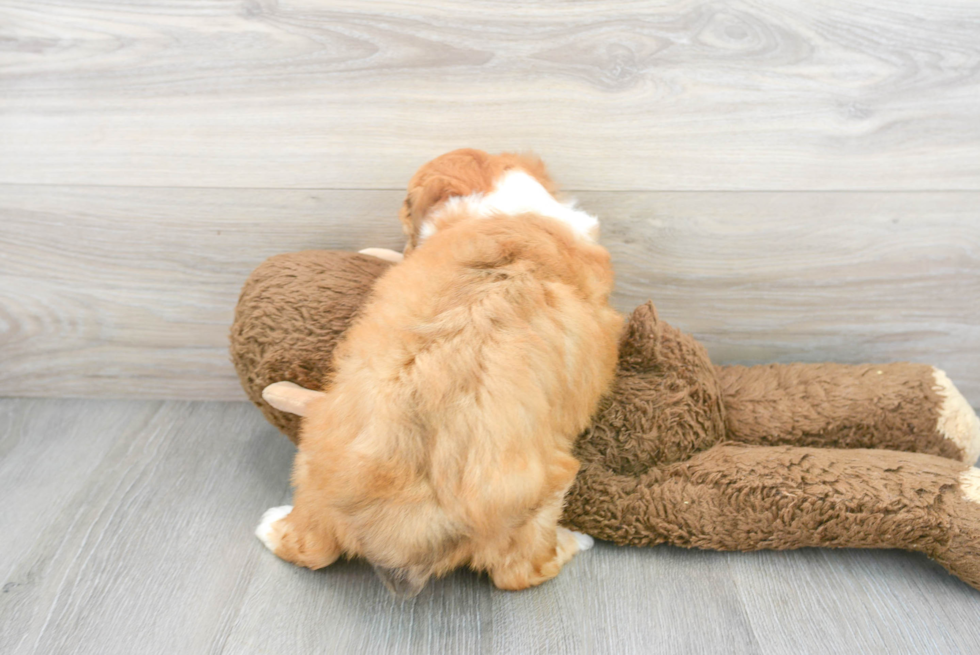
(640, 343)
(290, 397)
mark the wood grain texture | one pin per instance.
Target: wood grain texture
(116, 291)
(634, 95)
(830, 601)
(132, 533)
(151, 553)
(50, 455)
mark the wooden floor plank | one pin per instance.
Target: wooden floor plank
(867, 600)
(155, 552)
(129, 292)
(345, 608)
(623, 95)
(614, 600)
(48, 452)
(48, 456)
(608, 600)
(143, 543)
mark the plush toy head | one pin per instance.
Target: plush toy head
(291, 313)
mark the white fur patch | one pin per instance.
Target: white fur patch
(517, 193)
(584, 541)
(957, 420)
(264, 531)
(970, 484)
(426, 231)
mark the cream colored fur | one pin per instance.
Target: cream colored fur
(970, 484)
(957, 420)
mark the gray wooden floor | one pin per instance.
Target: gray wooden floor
(126, 527)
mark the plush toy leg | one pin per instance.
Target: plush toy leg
(738, 497)
(908, 407)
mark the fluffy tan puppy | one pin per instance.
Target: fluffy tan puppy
(444, 438)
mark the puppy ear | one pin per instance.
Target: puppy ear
(290, 397)
(409, 220)
(404, 582)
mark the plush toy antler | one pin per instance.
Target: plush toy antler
(683, 452)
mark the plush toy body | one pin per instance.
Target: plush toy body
(686, 453)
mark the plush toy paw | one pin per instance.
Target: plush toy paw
(970, 484)
(957, 420)
(961, 556)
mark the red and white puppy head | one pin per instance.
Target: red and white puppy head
(482, 184)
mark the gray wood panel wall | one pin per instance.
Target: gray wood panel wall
(788, 181)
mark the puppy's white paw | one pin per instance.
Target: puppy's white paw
(583, 541)
(264, 531)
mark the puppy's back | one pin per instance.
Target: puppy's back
(489, 348)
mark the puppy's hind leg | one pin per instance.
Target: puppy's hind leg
(288, 533)
(537, 552)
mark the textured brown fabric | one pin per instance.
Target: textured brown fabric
(292, 311)
(665, 404)
(742, 497)
(660, 463)
(892, 406)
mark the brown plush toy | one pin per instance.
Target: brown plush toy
(684, 452)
